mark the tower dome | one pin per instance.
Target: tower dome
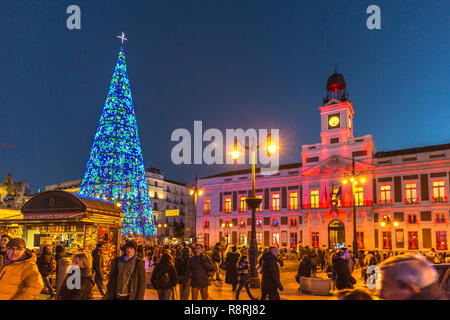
(336, 88)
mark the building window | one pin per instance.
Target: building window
(438, 191)
(360, 237)
(275, 222)
(275, 201)
(155, 206)
(441, 240)
(314, 195)
(260, 208)
(385, 195)
(292, 222)
(242, 224)
(242, 204)
(359, 196)
(293, 239)
(411, 193)
(206, 243)
(387, 240)
(293, 200)
(275, 239)
(243, 239)
(206, 224)
(439, 217)
(259, 238)
(334, 196)
(315, 239)
(227, 206)
(412, 240)
(207, 206)
(412, 218)
(259, 222)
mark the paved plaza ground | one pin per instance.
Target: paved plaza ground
(221, 291)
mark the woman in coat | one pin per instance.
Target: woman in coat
(86, 284)
(164, 277)
(231, 276)
(46, 265)
(341, 272)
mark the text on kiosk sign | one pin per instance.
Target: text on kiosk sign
(173, 213)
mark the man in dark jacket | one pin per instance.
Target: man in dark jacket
(181, 263)
(270, 282)
(164, 277)
(127, 279)
(98, 267)
(231, 276)
(197, 271)
(341, 272)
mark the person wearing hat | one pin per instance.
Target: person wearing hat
(19, 277)
(127, 279)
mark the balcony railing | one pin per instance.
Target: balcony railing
(324, 205)
(207, 211)
(411, 200)
(439, 199)
(293, 207)
(242, 210)
(385, 202)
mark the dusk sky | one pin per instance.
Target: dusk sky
(231, 64)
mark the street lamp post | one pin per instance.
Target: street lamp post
(353, 177)
(254, 203)
(194, 192)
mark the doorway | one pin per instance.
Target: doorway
(336, 234)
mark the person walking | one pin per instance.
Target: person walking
(181, 267)
(243, 269)
(98, 267)
(341, 271)
(231, 275)
(19, 277)
(47, 265)
(164, 277)
(217, 259)
(127, 279)
(198, 268)
(270, 283)
(84, 292)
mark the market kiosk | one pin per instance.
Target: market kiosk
(75, 221)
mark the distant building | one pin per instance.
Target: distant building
(165, 195)
(401, 205)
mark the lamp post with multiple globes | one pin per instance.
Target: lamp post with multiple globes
(195, 192)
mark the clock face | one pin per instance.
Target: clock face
(334, 121)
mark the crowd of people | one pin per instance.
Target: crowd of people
(185, 271)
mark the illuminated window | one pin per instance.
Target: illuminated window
(360, 237)
(258, 222)
(315, 239)
(387, 240)
(411, 192)
(206, 242)
(293, 200)
(242, 204)
(413, 242)
(259, 238)
(293, 239)
(439, 217)
(314, 195)
(275, 239)
(335, 197)
(386, 218)
(412, 218)
(275, 201)
(275, 222)
(227, 207)
(438, 191)
(260, 208)
(242, 223)
(292, 222)
(206, 224)
(243, 239)
(207, 206)
(441, 240)
(359, 196)
(385, 194)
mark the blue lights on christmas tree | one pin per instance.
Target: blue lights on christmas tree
(115, 170)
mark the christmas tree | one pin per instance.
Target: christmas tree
(115, 170)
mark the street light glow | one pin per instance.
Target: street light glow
(383, 224)
(272, 148)
(235, 154)
(395, 224)
(191, 192)
(200, 192)
(363, 180)
(344, 181)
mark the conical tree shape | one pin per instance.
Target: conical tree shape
(115, 170)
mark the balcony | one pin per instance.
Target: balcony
(387, 202)
(207, 211)
(439, 199)
(344, 204)
(293, 207)
(411, 200)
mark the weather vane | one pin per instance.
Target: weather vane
(122, 37)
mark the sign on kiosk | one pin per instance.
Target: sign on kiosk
(173, 213)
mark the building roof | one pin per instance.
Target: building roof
(247, 171)
(439, 147)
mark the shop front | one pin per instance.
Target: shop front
(74, 221)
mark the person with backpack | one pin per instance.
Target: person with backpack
(127, 278)
(46, 264)
(164, 277)
(198, 268)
